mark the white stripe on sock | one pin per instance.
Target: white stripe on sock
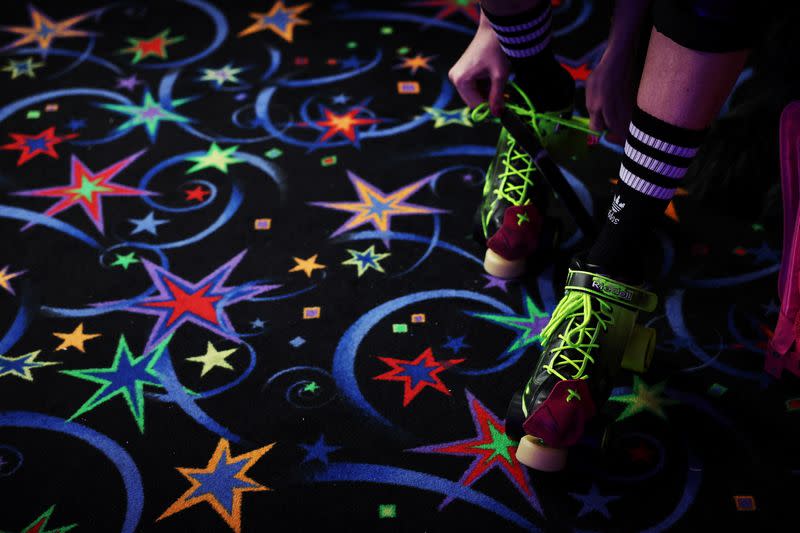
(645, 187)
(524, 26)
(672, 149)
(526, 52)
(665, 169)
(525, 38)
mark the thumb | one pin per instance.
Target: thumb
(496, 103)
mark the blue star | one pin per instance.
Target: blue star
(418, 373)
(223, 481)
(351, 62)
(318, 451)
(257, 323)
(36, 144)
(76, 124)
(378, 208)
(456, 344)
(771, 308)
(280, 19)
(148, 224)
(594, 501)
(765, 254)
(340, 98)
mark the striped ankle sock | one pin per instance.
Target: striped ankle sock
(657, 155)
(525, 39)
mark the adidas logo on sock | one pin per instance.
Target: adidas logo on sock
(616, 207)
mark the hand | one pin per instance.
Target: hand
(482, 61)
(609, 95)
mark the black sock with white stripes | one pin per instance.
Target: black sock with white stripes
(525, 40)
(657, 155)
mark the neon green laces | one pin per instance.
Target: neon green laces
(573, 354)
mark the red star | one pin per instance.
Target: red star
(198, 194)
(417, 374)
(344, 124)
(32, 145)
(579, 73)
(196, 303)
(491, 448)
(467, 7)
(87, 189)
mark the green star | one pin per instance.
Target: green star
(500, 444)
(530, 324)
(39, 525)
(311, 387)
(212, 358)
(366, 260)
(19, 68)
(125, 260)
(88, 188)
(221, 75)
(643, 398)
(758, 227)
(443, 117)
(21, 366)
(149, 114)
(521, 218)
(215, 157)
(126, 376)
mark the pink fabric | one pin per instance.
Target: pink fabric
(785, 343)
(518, 237)
(560, 422)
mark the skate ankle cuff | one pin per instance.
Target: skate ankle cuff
(611, 290)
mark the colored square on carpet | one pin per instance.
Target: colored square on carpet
(262, 224)
(408, 87)
(311, 312)
(745, 503)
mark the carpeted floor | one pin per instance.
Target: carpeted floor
(240, 291)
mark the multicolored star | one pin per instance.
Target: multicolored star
(87, 189)
(220, 76)
(280, 19)
(27, 67)
(491, 448)
(32, 145)
(467, 8)
(443, 117)
(307, 265)
(126, 376)
(415, 63)
(44, 30)
(376, 207)
(530, 324)
(366, 260)
(76, 339)
(215, 157)
(212, 359)
(39, 525)
(417, 374)
(149, 114)
(345, 124)
(220, 484)
(6, 277)
(154, 46)
(21, 366)
(203, 303)
(643, 398)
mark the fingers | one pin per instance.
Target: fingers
(498, 83)
(467, 88)
(596, 120)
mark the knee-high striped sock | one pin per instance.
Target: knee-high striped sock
(525, 40)
(657, 155)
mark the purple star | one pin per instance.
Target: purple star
(203, 303)
(500, 283)
(128, 83)
(594, 501)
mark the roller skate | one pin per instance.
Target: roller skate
(511, 219)
(592, 333)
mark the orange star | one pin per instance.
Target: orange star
(45, 30)
(6, 277)
(415, 63)
(75, 339)
(221, 484)
(344, 124)
(280, 19)
(307, 265)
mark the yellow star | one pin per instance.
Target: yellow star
(212, 358)
(75, 339)
(307, 265)
(6, 276)
(280, 19)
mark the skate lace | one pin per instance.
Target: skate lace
(580, 337)
(515, 177)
